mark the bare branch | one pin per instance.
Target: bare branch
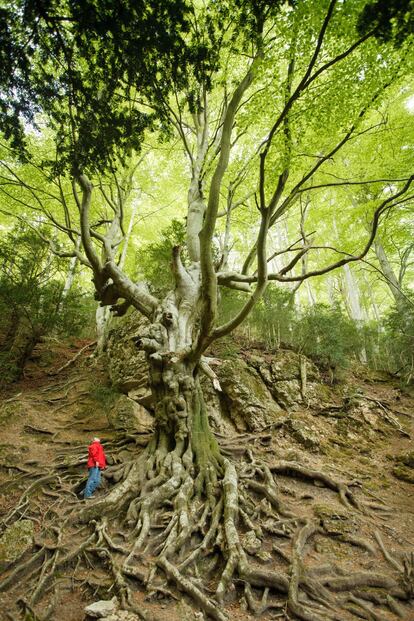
(209, 280)
(385, 206)
(93, 258)
(346, 183)
(136, 293)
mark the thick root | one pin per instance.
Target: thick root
(170, 523)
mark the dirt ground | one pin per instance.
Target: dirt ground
(366, 425)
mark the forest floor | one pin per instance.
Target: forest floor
(46, 424)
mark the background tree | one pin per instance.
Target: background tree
(31, 300)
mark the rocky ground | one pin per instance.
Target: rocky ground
(313, 434)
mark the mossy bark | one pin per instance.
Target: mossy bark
(181, 417)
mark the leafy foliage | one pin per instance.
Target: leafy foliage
(31, 302)
(392, 19)
(154, 259)
(398, 340)
(101, 72)
(326, 334)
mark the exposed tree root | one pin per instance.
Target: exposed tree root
(72, 360)
(206, 530)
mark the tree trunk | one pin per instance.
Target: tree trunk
(7, 338)
(390, 277)
(70, 275)
(181, 418)
(102, 318)
(351, 297)
(24, 342)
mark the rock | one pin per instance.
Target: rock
(281, 374)
(102, 609)
(122, 615)
(127, 365)
(303, 433)
(287, 393)
(284, 365)
(15, 541)
(250, 403)
(142, 395)
(336, 522)
(129, 415)
(264, 556)
(251, 543)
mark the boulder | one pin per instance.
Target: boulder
(285, 366)
(142, 395)
(282, 375)
(15, 541)
(102, 609)
(129, 415)
(302, 432)
(127, 365)
(287, 393)
(336, 522)
(250, 404)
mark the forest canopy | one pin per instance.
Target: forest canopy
(278, 133)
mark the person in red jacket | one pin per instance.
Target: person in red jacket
(96, 463)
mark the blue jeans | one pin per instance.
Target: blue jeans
(93, 481)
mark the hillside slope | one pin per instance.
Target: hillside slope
(343, 457)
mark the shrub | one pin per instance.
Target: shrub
(327, 335)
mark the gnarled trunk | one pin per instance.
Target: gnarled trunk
(181, 418)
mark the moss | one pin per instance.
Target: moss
(10, 411)
(16, 540)
(403, 473)
(406, 460)
(327, 511)
(104, 395)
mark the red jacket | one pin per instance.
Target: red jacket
(96, 454)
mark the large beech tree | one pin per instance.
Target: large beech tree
(251, 90)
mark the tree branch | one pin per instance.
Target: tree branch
(385, 206)
(209, 280)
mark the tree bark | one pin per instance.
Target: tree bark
(351, 297)
(390, 277)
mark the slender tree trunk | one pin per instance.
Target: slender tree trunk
(70, 276)
(103, 314)
(351, 296)
(371, 308)
(102, 319)
(390, 277)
